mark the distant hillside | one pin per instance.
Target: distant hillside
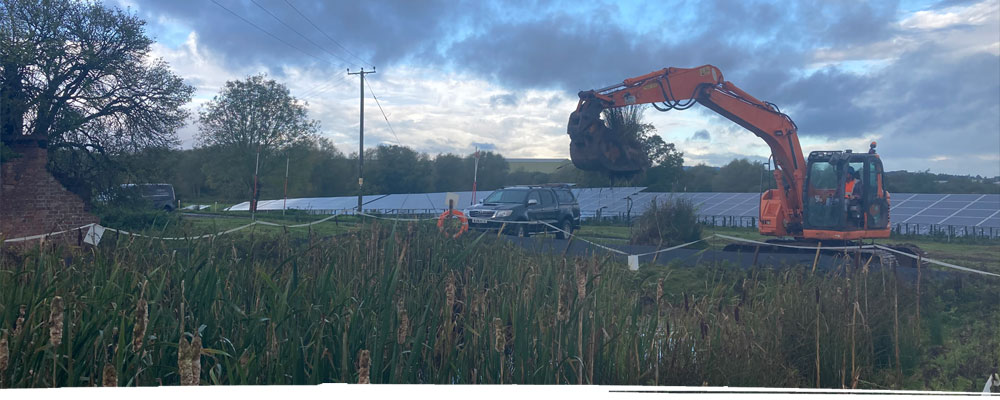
(543, 165)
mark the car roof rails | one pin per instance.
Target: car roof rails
(542, 185)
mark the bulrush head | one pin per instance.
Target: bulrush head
(184, 360)
(109, 378)
(449, 292)
(189, 361)
(404, 324)
(195, 359)
(364, 364)
(141, 320)
(501, 341)
(19, 324)
(581, 280)
(4, 353)
(562, 307)
(56, 321)
(659, 291)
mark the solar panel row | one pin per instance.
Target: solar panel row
(968, 210)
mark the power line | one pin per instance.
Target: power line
(324, 33)
(330, 84)
(297, 32)
(265, 31)
(383, 114)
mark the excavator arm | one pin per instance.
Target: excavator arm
(593, 146)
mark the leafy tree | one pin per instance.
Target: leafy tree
(450, 173)
(663, 162)
(741, 175)
(698, 179)
(250, 116)
(397, 169)
(493, 170)
(79, 74)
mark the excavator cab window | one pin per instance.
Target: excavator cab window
(876, 201)
(823, 200)
(856, 197)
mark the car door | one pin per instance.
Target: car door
(535, 212)
(550, 206)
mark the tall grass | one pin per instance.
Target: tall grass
(398, 303)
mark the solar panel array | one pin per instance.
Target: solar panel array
(922, 212)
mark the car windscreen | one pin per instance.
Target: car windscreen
(507, 196)
(157, 191)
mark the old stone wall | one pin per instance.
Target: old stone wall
(32, 202)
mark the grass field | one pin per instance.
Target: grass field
(397, 303)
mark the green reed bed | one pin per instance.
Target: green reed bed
(399, 303)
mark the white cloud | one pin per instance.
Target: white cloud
(976, 14)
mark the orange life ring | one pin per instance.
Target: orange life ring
(461, 217)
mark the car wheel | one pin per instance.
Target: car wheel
(565, 226)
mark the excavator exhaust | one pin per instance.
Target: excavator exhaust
(595, 147)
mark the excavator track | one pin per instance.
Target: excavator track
(862, 256)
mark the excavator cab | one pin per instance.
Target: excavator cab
(834, 207)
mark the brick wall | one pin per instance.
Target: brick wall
(32, 201)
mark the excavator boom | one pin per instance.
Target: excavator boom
(594, 147)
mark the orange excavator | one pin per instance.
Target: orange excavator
(811, 200)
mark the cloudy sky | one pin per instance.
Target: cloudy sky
(922, 77)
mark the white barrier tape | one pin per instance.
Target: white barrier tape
(45, 235)
(205, 236)
(622, 252)
(941, 263)
(675, 247)
(866, 247)
(396, 219)
(585, 240)
(788, 246)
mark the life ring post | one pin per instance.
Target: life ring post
(464, 222)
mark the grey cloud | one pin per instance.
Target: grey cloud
(507, 99)
(381, 32)
(702, 135)
(485, 146)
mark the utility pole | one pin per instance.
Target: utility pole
(475, 174)
(361, 135)
(284, 204)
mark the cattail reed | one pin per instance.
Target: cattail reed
(562, 309)
(449, 292)
(184, 361)
(109, 377)
(195, 359)
(56, 321)
(189, 361)
(500, 340)
(19, 323)
(4, 353)
(364, 364)
(581, 280)
(404, 323)
(141, 321)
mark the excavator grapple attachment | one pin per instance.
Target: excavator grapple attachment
(595, 147)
